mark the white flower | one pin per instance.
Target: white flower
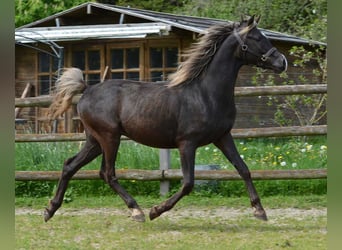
(283, 163)
(303, 150)
(242, 156)
(294, 165)
(206, 148)
(323, 147)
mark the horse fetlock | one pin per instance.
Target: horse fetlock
(154, 212)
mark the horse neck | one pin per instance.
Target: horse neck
(222, 72)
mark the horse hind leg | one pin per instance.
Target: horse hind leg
(107, 173)
(228, 148)
(90, 151)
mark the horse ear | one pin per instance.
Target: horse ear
(251, 20)
(257, 19)
(242, 18)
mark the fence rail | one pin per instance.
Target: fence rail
(173, 174)
(45, 101)
(236, 133)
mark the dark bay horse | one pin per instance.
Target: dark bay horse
(194, 108)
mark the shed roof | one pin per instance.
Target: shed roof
(79, 14)
(74, 33)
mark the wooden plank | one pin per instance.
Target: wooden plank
(60, 137)
(237, 133)
(281, 90)
(173, 174)
(45, 101)
(280, 131)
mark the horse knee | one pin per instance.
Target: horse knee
(68, 171)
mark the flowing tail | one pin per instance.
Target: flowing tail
(69, 84)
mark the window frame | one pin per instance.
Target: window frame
(125, 70)
(165, 70)
(50, 73)
(87, 71)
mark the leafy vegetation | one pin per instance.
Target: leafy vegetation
(306, 18)
(302, 18)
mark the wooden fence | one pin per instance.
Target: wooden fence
(175, 174)
(164, 174)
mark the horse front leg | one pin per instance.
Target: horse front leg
(107, 173)
(228, 148)
(187, 155)
(89, 152)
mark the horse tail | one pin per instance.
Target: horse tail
(69, 84)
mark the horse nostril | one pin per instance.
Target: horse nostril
(284, 63)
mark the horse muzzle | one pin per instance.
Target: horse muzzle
(279, 63)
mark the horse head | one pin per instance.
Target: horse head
(256, 49)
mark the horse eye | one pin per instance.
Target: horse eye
(256, 38)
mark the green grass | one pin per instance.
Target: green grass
(182, 228)
(267, 154)
(285, 153)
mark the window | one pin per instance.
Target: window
(125, 63)
(47, 68)
(163, 61)
(89, 61)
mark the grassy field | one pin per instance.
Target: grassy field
(195, 223)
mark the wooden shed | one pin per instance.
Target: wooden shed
(108, 41)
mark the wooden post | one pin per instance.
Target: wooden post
(24, 94)
(164, 164)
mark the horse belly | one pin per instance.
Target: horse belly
(151, 135)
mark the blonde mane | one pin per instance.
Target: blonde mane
(200, 54)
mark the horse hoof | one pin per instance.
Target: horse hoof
(260, 215)
(47, 215)
(154, 213)
(138, 215)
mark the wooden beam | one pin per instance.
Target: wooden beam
(45, 101)
(237, 134)
(173, 174)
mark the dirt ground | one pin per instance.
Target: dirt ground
(179, 213)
